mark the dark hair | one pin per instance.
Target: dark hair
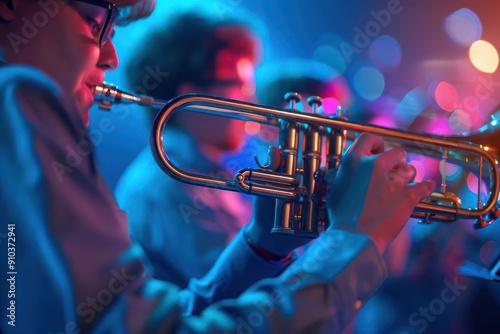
(131, 10)
(8, 2)
(296, 75)
(186, 49)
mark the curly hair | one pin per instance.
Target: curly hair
(8, 2)
(131, 10)
(187, 49)
(294, 75)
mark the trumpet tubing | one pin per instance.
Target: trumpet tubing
(299, 187)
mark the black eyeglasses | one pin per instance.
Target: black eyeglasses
(105, 27)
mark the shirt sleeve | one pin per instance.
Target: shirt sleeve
(319, 293)
(180, 235)
(38, 271)
(78, 270)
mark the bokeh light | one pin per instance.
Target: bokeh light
(385, 53)
(411, 106)
(437, 125)
(452, 171)
(369, 83)
(252, 128)
(484, 56)
(463, 27)
(246, 73)
(329, 106)
(338, 89)
(470, 105)
(328, 52)
(459, 121)
(472, 184)
(383, 120)
(446, 96)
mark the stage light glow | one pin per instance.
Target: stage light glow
(385, 53)
(463, 27)
(472, 184)
(446, 96)
(369, 83)
(484, 56)
(252, 128)
(385, 105)
(384, 120)
(460, 121)
(340, 90)
(329, 106)
(472, 113)
(438, 125)
(331, 56)
(246, 72)
(452, 171)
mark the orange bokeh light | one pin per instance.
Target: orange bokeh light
(484, 56)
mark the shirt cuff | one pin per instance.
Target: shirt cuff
(348, 265)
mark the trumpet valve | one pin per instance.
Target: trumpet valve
(315, 102)
(292, 98)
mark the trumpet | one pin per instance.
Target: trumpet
(298, 185)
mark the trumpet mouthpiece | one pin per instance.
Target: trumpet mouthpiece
(107, 95)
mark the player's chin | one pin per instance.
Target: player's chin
(84, 101)
(84, 112)
(86, 117)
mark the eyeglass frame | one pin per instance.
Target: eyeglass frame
(112, 15)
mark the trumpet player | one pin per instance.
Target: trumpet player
(71, 266)
(182, 228)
